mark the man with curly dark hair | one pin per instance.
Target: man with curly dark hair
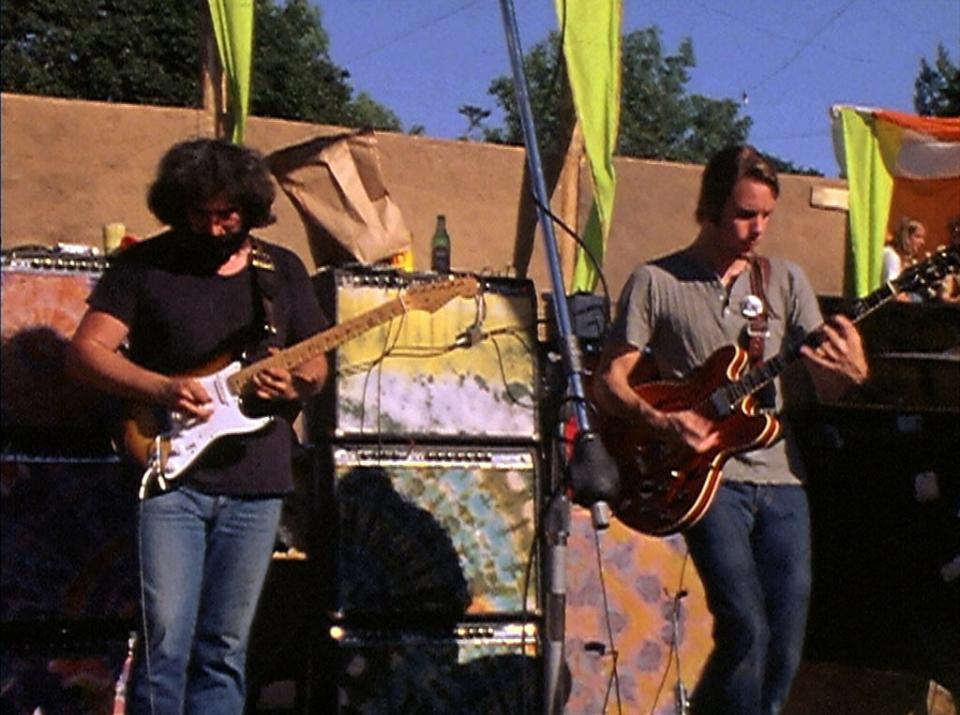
(165, 311)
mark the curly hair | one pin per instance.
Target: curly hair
(197, 170)
(724, 170)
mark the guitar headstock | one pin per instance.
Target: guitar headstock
(926, 275)
(433, 295)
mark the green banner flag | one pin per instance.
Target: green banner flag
(591, 47)
(871, 187)
(233, 27)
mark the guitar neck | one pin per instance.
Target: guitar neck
(760, 375)
(294, 356)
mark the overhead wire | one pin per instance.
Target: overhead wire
(803, 46)
(409, 33)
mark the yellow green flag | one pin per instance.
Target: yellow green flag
(591, 47)
(233, 27)
(870, 186)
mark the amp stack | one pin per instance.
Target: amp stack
(433, 428)
(69, 592)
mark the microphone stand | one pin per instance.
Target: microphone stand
(588, 447)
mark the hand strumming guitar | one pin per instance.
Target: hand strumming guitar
(614, 392)
(186, 396)
(690, 429)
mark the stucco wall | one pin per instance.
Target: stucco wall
(70, 166)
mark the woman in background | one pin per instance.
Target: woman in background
(903, 249)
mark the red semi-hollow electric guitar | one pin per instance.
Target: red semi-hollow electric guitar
(665, 489)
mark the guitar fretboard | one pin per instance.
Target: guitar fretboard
(296, 355)
(727, 396)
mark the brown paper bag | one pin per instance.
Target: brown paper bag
(336, 184)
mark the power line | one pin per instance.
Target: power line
(746, 22)
(799, 135)
(404, 35)
(803, 46)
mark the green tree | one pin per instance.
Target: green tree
(936, 91)
(138, 51)
(294, 77)
(659, 119)
(148, 52)
(549, 99)
(476, 117)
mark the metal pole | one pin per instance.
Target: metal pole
(569, 349)
(557, 521)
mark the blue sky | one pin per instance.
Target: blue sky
(792, 60)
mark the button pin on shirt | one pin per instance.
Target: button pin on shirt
(751, 307)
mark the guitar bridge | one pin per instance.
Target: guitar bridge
(646, 489)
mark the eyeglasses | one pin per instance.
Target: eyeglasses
(219, 215)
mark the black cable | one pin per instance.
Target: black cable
(674, 652)
(614, 653)
(580, 242)
(532, 557)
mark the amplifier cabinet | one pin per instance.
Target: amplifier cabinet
(68, 543)
(467, 371)
(471, 668)
(44, 413)
(435, 532)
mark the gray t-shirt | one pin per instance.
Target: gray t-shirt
(678, 309)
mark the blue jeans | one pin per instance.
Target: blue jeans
(752, 550)
(204, 560)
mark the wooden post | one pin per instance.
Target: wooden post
(212, 80)
(566, 198)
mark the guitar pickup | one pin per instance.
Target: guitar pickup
(721, 407)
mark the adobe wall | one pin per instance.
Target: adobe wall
(70, 166)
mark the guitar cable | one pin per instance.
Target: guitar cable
(143, 591)
(681, 704)
(614, 681)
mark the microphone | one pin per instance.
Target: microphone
(593, 477)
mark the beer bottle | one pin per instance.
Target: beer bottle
(440, 247)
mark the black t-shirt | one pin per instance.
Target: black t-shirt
(181, 320)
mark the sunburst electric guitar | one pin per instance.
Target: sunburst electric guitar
(665, 490)
(168, 442)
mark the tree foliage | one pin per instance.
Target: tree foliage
(148, 52)
(549, 99)
(937, 87)
(137, 51)
(294, 77)
(659, 119)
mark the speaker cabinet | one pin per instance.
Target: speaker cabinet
(45, 414)
(435, 532)
(466, 372)
(644, 578)
(68, 542)
(469, 669)
(885, 506)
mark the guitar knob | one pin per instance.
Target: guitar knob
(639, 462)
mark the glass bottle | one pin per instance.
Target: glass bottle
(440, 247)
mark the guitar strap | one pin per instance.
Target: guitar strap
(264, 288)
(757, 328)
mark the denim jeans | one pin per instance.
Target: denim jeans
(204, 559)
(752, 550)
